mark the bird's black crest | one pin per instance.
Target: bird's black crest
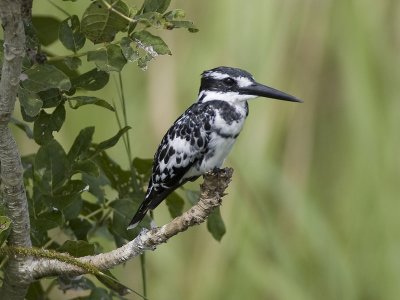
(212, 80)
(233, 72)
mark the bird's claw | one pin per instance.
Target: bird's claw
(153, 224)
(217, 171)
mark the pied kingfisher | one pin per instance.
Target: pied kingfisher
(201, 138)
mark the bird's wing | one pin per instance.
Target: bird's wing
(182, 146)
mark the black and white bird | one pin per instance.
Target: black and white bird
(202, 137)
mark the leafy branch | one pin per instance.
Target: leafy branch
(58, 198)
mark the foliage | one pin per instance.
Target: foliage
(76, 193)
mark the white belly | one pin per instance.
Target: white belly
(219, 150)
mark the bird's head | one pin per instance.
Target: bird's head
(235, 85)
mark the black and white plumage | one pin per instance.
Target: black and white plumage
(202, 137)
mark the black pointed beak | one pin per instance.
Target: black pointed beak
(258, 89)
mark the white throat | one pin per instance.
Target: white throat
(232, 97)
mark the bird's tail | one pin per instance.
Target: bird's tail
(140, 214)
(151, 201)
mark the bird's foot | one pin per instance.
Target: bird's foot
(215, 170)
(143, 231)
(218, 171)
(153, 224)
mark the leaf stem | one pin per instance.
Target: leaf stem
(143, 269)
(49, 242)
(127, 142)
(49, 288)
(61, 57)
(111, 8)
(93, 213)
(121, 94)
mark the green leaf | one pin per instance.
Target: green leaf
(215, 224)
(27, 163)
(175, 19)
(87, 166)
(81, 144)
(38, 237)
(77, 248)
(51, 164)
(48, 220)
(46, 29)
(92, 80)
(175, 204)
(156, 5)
(72, 188)
(75, 283)
(175, 14)
(108, 59)
(46, 123)
(129, 53)
(112, 141)
(118, 178)
(143, 60)
(123, 210)
(143, 166)
(23, 126)
(80, 227)
(35, 291)
(96, 185)
(151, 19)
(100, 24)
(25, 116)
(109, 281)
(50, 98)
(44, 77)
(152, 44)
(57, 118)
(5, 223)
(30, 102)
(78, 101)
(181, 24)
(72, 63)
(70, 208)
(96, 294)
(70, 35)
(68, 198)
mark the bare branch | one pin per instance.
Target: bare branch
(212, 191)
(13, 192)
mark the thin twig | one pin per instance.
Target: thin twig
(111, 8)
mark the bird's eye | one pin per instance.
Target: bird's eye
(229, 81)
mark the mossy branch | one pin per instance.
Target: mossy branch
(50, 254)
(48, 263)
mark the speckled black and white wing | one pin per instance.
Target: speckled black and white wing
(180, 151)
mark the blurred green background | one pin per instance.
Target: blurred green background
(313, 211)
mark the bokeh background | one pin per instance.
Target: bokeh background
(313, 211)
